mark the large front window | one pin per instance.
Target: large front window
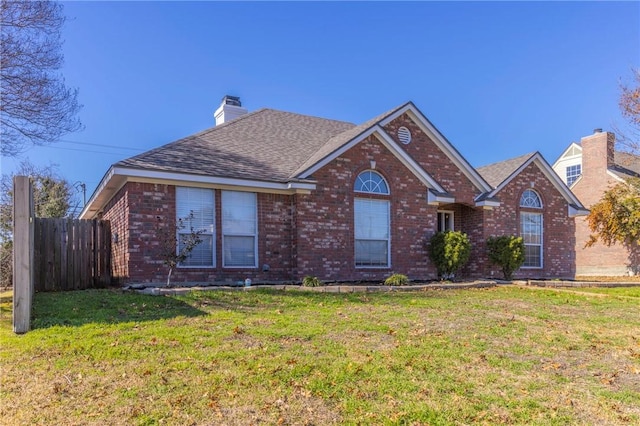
(372, 232)
(531, 225)
(239, 229)
(531, 229)
(195, 210)
(371, 219)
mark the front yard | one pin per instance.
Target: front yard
(505, 355)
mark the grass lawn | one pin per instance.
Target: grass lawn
(504, 355)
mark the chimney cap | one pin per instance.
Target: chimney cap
(597, 130)
(231, 100)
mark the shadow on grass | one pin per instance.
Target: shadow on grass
(76, 308)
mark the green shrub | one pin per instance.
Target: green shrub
(310, 281)
(397, 279)
(450, 251)
(506, 251)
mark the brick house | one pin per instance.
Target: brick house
(283, 195)
(590, 168)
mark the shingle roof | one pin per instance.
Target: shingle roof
(496, 173)
(340, 139)
(626, 164)
(266, 145)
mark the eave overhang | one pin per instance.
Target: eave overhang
(117, 177)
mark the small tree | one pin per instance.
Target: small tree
(506, 251)
(450, 251)
(615, 219)
(173, 249)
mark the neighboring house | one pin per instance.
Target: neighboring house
(283, 195)
(590, 168)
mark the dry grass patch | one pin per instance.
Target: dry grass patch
(506, 355)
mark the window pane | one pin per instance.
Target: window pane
(371, 253)
(202, 254)
(371, 232)
(239, 251)
(530, 199)
(238, 213)
(573, 173)
(370, 181)
(531, 232)
(532, 256)
(239, 216)
(198, 202)
(371, 219)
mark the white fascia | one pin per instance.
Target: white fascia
(575, 211)
(434, 199)
(116, 177)
(139, 175)
(390, 144)
(548, 172)
(615, 176)
(564, 155)
(487, 204)
(442, 143)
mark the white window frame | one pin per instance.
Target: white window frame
(355, 239)
(573, 168)
(441, 220)
(187, 230)
(537, 212)
(254, 234)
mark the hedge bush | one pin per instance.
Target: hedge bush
(506, 251)
(450, 251)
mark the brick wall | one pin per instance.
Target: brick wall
(313, 234)
(324, 220)
(117, 213)
(597, 155)
(435, 162)
(138, 207)
(558, 228)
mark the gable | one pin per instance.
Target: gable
(575, 206)
(456, 174)
(436, 158)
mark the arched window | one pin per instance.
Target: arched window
(372, 182)
(531, 229)
(530, 199)
(371, 222)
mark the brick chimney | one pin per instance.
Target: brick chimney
(597, 153)
(230, 108)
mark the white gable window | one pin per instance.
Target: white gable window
(531, 229)
(371, 221)
(445, 221)
(239, 229)
(573, 173)
(371, 182)
(195, 207)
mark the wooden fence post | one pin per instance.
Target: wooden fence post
(22, 253)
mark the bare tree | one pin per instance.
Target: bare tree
(629, 134)
(36, 106)
(176, 247)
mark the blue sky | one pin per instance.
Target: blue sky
(498, 79)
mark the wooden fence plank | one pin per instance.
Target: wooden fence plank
(23, 254)
(72, 254)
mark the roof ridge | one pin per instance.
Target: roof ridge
(374, 121)
(527, 155)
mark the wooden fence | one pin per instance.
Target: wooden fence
(71, 254)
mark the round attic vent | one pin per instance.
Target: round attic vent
(404, 135)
